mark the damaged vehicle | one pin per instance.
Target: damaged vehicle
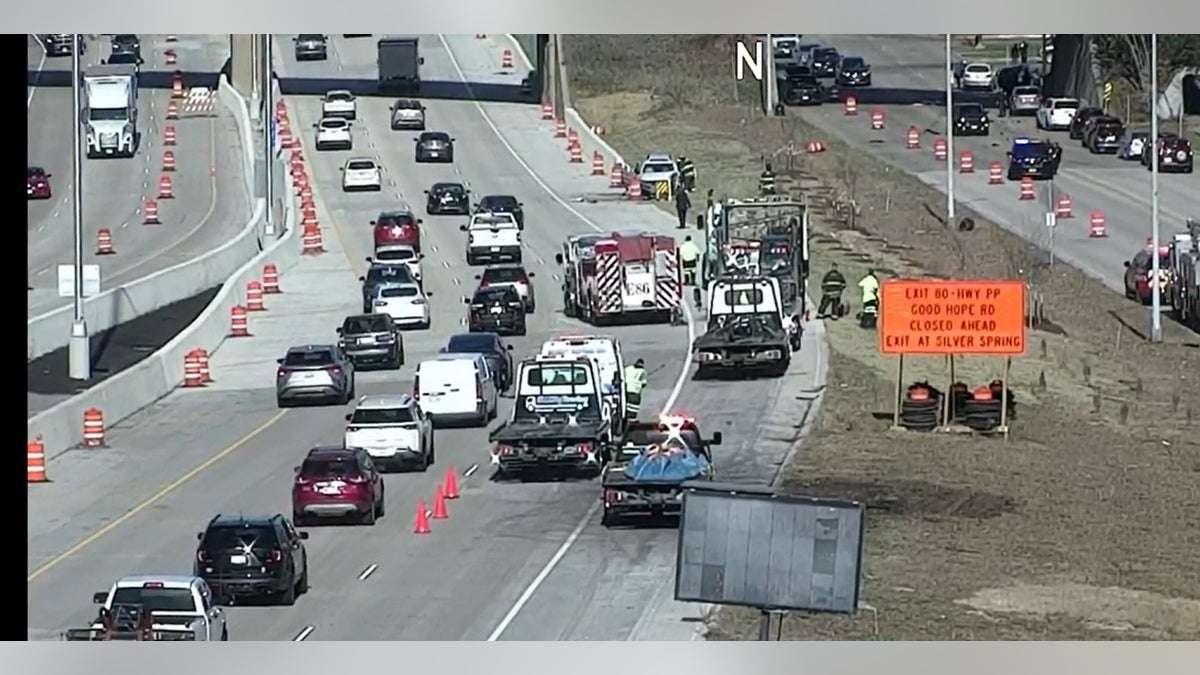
(748, 329)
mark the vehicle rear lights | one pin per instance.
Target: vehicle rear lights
(280, 372)
(381, 303)
(504, 450)
(582, 448)
(611, 496)
(202, 556)
(152, 584)
(334, 370)
(276, 556)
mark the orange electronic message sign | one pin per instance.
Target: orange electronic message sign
(984, 318)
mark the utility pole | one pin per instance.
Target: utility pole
(79, 352)
(268, 99)
(950, 216)
(1156, 286)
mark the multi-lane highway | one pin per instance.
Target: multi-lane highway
(1120, 190)
(515, 560)
(210, 203)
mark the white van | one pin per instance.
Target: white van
(457, 388)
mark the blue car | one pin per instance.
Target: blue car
(1033, 158)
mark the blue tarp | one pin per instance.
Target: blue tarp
(666, 467)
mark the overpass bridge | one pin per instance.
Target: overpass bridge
(245, 68)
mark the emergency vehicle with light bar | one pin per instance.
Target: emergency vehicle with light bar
(650, 466)
(560, 422)
(634, 275)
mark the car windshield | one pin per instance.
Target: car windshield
(1026, 91)
(447, 188)
(108, 114)
(1065, 104)
(388, 273)
(498, 203)
(503, 275)
(333, 123)
(400, 292)
(1143, 261)
(472, 343)
(370, 323)
(310, 37)
(361, 165)
(407, 105)
(339, 96)
(395, 254)
(978, 68)
(555, 374)
(438, 137)
(314, 357)
(500, 294)
(969, 110)
(391, 219)
(853, 62)
(122, 57)
(329, 467)
(238, 537)
(657, 167)
(383, 416)
(35, 172)
(156, 599)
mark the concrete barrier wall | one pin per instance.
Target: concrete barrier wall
(52, 330)
(61, 427)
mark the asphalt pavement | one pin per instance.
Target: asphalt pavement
(210, 204)
(1119, 190)
(515, 560)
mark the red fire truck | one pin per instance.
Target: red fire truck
(622, 276)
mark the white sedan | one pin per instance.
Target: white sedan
(977, 76)
(404, 302)
(333, 133)
(400, 253)
(361, 173)
(339, 103)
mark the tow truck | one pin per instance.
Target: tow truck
(748, 328)
(625, 275)
(605, 352)
(560, 422)
(654, 459)
(761, 235)
(159, 608)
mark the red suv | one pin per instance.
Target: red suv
(397, 227)
(37, 183)
(337, 483)
(1174, 154)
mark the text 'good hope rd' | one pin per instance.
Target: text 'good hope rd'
(952, 317)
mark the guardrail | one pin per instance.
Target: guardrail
(52, 330)
(159, 374)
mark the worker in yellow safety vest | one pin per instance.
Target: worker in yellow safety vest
(870, 299)
(635, 379)
(689, 253)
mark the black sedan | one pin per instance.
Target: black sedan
(503, 204)
(970, 119)
(497, 309)
(492, 347)
(825, 62)
(435, 146)
(447, 199)
(854, 72)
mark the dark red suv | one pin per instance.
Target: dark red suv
(337, 483)
(37, 183)
(1174, 154)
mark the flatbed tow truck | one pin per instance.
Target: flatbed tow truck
(646, 475)
(127, 622)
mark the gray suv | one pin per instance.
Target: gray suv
(372, 339)
(316, 374)
(311, 47)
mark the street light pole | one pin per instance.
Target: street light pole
(949, 135)
(268, 99)
(1156, 287)
(79, 356)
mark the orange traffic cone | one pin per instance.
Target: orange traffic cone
(450, 485)
(439, 505)
(422, 524)
(35, 461)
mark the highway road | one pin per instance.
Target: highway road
(515, 560)
(210, 203)
(1118, 189)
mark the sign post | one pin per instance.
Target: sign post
(953, 318)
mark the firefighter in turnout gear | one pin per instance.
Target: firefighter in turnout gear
(689, 253)
(634, 379)
(832, 286)
(766, 181)
(683, 204)
(687, 171)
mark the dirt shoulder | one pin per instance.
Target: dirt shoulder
(1082, 525)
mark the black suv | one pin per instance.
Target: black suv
(503, 204)
(447, 198)
(126, 43)
(825, 62)
(970, 119)
(253, 557)
(1104, 136)
(1078, 123)
(496, 309)
(372, 339)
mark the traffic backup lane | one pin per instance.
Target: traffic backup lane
(1096, 183)
(210, 204)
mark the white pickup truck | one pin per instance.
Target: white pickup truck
(166, 607)
(492, 238)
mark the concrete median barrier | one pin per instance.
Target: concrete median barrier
(233, 266)
(52, 330)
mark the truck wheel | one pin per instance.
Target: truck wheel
(368, 518)
(302, 585)
(609, 519)
(224, 635)
(288, 598)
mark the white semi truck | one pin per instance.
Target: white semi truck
(111, 110)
